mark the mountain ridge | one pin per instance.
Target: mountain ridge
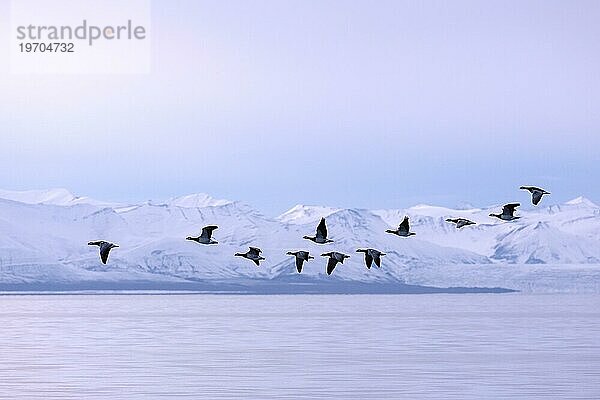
(44, 242)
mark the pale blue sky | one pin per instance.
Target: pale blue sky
(371, 104)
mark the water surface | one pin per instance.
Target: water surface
(300, 346)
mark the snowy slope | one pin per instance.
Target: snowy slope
(541, 243)
(196, 201)
(58, 197)
(44, 234)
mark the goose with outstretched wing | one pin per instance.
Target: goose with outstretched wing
(372, 255)
(206, 235)
(300, 256)
(253, 254)
(321, 234)
(334, 259)
(403, 229)
(105, 248)
(508, 212)
(536, 193)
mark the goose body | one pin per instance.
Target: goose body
(536, 193)
(300, 257)
(370, 256)
(321, 235)
(253, 254)
(105, 248)
(206, 235)
(508, 212)
(460, 222)
(403, 229)
(334, 259)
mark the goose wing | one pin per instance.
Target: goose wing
(531, 188)
(207, 231)
(377, 259)
(464, 222)
(322, 229)
(299, 263)
(331, 263)
(104, 251)
(255, 251)
(404, 226)
(368, 260)
(536, 196)
(96, 243)
(509, 209)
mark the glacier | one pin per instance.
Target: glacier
(44, 235)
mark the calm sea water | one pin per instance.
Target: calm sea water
(303, 346)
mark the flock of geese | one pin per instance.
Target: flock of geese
(335, 258)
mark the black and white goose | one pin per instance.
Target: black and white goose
(536, 193)
(508, 212)
(370, 256)
(206, 235)
(460, 222)
(334, 259)
(105, 248)
(403, 229)
(253, 254)
(321, 236)
(300, 256)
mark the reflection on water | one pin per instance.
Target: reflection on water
(299, 346)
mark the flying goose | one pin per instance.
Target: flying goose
(105, 248)
(321, 236)
(370, 256)
(508, 212)
(536, 193)
(300, 256)
(460, 222)
(403, 229)
(206, 235)
(253, 254)
(334, 259)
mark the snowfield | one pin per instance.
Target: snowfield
(44, 235)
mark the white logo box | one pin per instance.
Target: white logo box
(80, 36)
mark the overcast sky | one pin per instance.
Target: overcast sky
(373, 104)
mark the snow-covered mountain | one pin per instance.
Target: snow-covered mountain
(196, 201)
(57, 197)
(44, 235)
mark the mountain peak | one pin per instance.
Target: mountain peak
(302, 214)
(47, 196)
(581, 200)
(55, 197)
(196, 200)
